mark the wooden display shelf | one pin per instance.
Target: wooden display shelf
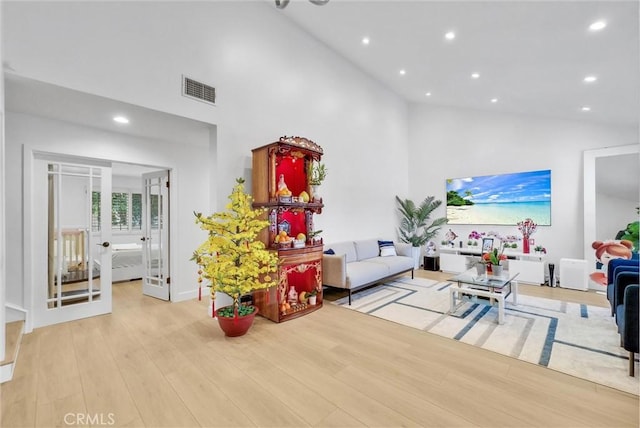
(289, 315)
(269, 307)
(292, 205)
(305, 249)
(283, 166)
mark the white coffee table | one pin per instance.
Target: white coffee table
(494, 287)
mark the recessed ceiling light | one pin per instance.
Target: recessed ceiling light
(597, 26)
(450, 35)
(428, 94)
(590, 79)
(475, 75)
(365, 40)
(120, 119)
(494, 100)
(403, 72)
(586, 108)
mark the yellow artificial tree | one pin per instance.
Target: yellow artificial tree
(232, 259)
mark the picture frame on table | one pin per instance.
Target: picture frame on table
(487, 245)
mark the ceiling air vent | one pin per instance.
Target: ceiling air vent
(194, 89)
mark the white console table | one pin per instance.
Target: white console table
(529, 265)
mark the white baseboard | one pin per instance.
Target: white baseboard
(6, 372)
(191, 294)
(18, 313)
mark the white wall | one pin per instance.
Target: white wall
(2, 199)
(271, 79)
(613, 215)
(127, 183)
(274, 80)
(449, 143)
(190, 174)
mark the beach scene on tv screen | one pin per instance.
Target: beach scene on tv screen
(503, 199)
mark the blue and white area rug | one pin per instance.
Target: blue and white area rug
(575, 339)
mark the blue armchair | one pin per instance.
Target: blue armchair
(613, 268)
(633, 261)
(622, 281)
(629, 323)
(612, 295)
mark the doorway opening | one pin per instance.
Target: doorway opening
(140, 228)
(97, 223)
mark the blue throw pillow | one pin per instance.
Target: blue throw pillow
(329, 251)
(387, 248)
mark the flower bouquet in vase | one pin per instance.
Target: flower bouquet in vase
(493, 260)
(527, 228)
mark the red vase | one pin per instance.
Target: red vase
(236, 326)
(525, 245)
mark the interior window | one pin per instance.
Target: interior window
(95, 211)
(126, 211)
(120, 211)
(136, 211)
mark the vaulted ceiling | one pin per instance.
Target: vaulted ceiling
(531, 57)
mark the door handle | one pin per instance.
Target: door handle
(144, 238)
(105, 244)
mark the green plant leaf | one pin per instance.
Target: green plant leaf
(415, 227)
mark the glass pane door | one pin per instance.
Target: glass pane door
(155, 248)
(76, 234)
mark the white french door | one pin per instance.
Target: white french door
(71, 256)
(155, 239)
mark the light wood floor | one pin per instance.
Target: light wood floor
(153, 364)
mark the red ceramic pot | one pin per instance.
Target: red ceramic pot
(236, 326)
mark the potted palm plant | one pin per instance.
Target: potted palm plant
(415, 227)
(233, 260)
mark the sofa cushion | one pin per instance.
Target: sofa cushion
(360, 273)
(367, 248)
(387, 248)
(396, 264)
(404, 249)
(346, 248)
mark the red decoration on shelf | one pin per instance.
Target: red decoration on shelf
(300, 265)
(527, 228)
(293, 172)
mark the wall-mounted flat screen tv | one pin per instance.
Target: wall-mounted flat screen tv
(503, 199)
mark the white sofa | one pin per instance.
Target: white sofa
(358, 264)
